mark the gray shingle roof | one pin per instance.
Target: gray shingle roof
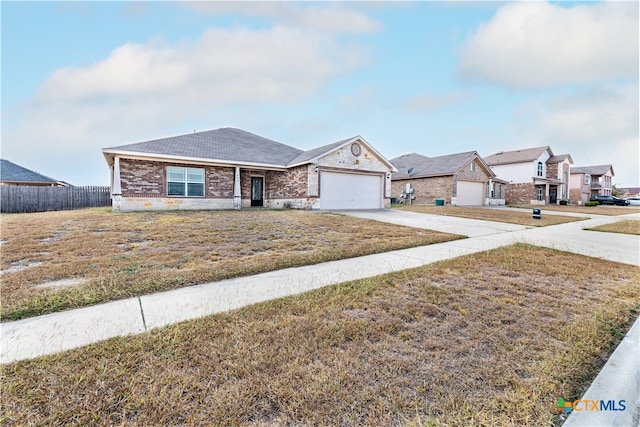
(559, 158)
(226, 144)
(11, 172)
(424, 166)
(516, 156)
(593, 170)
(312, 154)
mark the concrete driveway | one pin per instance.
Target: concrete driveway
(446, 224)
(569, 237)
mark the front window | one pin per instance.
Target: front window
(188, 182)
(539, 193)
(587, 179)
(539, 168)
(473, 166)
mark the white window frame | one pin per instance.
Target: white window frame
(473, 166)
(587, 179)
(189, 178)
(539, 193)
(540, 171)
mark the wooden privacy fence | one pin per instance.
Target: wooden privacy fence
(18, 198)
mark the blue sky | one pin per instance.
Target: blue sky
(428, 77)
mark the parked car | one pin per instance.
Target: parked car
(610, 200)
(635, 201)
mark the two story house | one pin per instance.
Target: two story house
(532, 175)
(589, 181)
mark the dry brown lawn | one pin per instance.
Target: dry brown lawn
(597, 210)
(489, 214)
(491, 339)
(130, 254)
(629, 226)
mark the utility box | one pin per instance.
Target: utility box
(439, 202)
(537, 213)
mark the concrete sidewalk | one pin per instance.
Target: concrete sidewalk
(618, 381)
(56, 332)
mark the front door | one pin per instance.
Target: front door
(256, 191)
(553, 194)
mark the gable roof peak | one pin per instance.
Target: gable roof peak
(422, 166)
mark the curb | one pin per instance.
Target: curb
(617, 382)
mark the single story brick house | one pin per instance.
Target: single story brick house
(231, 169)
(13, 174)
(462, 179)
(533, 175)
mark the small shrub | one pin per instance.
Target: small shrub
(594, 203)
(564, 202)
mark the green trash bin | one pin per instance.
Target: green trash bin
(439, 202)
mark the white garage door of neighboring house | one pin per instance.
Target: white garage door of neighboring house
(470, 193)
(350, 191)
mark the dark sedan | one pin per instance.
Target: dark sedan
(610, 200)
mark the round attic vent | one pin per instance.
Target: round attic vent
(356, 150)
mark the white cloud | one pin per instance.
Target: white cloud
(536, 44)
(330, 17)
(595, 126)
(146, 91)
(277, 64)
(428, 102)
(593, 116)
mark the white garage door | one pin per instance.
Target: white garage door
(470, 193)
(350, 191)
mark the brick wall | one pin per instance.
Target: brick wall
(139, 177)
(277, 184)
(479, 174)
(552, 170)
(519, 193)
(425, 190)
(147, 179)
(285, 185)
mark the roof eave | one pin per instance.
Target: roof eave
(317, 158)
(189, 160)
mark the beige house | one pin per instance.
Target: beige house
(462, 179)
(232, 169)
(589, 181)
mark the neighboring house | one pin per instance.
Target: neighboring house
(460, 179)
(230, 168)
(630, 192)
(12, 174)
(589, 181)
(533, 175)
